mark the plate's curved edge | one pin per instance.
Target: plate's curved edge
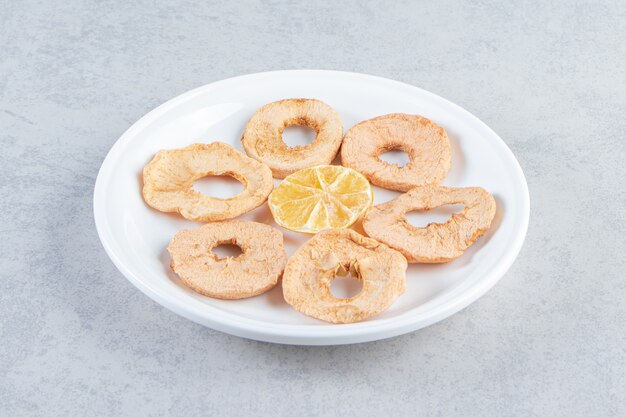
(273, 335)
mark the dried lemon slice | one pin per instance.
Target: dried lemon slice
(320, 198)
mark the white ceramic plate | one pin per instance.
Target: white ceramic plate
(135, 236)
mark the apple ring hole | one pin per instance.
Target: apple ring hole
(395, 156)
(437, 215)
(227, 250)
(219, 186)
(298, 135)
(348, 286)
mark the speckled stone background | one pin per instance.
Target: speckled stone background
(76, 338)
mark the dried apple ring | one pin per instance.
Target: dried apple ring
(425, 142)
(310, 271)
(255, 271)
(168, 181)
(437, 242)
(262, 137)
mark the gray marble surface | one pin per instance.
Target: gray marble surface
(76, 338)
